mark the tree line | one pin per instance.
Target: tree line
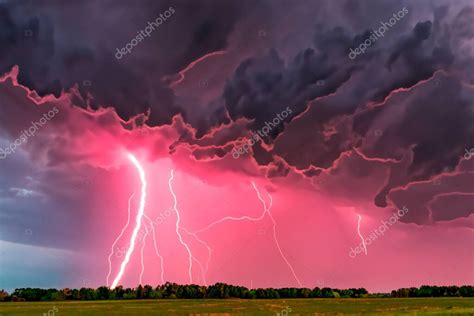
(435, 291)
(221, 291)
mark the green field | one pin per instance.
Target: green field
(391, 306)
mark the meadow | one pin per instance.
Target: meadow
(283, 307)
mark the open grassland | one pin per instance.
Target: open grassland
(290, 307)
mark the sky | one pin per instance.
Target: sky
(264, 144)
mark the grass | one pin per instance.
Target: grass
(391, 306)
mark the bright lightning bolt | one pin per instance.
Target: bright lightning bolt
(118, 238)
(178, 219)
(360, 235)
(138, 221)
(267, 210)
(191, 258)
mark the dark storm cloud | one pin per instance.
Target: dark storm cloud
(435, 132)
(263, 88)
(306, 69)
(57, 46)
(424, 62)
(458, 204)
(436, 115)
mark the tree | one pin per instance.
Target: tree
(316, 292)
(404, 293)
(3, 296)
(158, 292)
(147, 291)
(129, 294)
(304, 293)
(66, 293)
(117, 293)
(466, 291)
(140, 291)
(58, 296)
(222, 291)
(327, 292)
(425, 291)
(218, 290)
(103, 293)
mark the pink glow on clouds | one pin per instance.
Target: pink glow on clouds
(316, 223)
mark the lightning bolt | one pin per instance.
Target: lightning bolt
(267, 210)
(360, 235)
(138, 220)
(202, 270)
(141, 214)
(178, 219)
(209, 250)
(231, 218)
(156, 247)
(118, 238)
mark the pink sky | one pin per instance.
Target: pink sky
(316, 220)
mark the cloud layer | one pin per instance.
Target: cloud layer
(365, 136)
